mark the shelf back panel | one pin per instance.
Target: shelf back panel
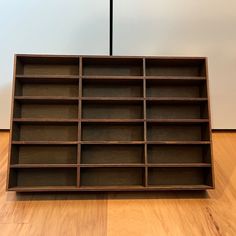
(112, 154)
(112, 111)
(48, 133)
(46, 154)
(111, 176)
(112, 132)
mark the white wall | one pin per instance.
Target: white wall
(48, 26)
(185, 27)
(151, 27)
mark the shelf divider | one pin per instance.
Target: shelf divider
(145, 124)
(79, 123)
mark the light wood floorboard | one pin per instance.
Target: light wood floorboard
(161, 213)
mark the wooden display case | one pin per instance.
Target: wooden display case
(106, 123)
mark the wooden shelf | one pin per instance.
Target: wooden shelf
(44, 142)
(178, 121)
(176, 100)
(43, 166)
(44, 99)
(111, 188)
(101, 123)
(115, 99)
(37, 79)
(44, 121)
(116, 78)
(112, 142)
(179, 142)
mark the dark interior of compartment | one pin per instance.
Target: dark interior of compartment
(177, 111)
(112, 88)
(110, 154)
(178, 154)
(112, 110)
(155, 89)
(112, 66)
(111, 176)
(47, 111)
(47, 66)
(50, 89)
(179, 176)
(175, 67)
(112, 132)
(45, 132)
(172, 132)
(39, 177)
(44, 154)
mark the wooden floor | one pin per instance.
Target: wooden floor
(132, 214)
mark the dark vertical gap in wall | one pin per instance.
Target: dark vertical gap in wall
(111, 27)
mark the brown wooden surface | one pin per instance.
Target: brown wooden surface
(110, 122)
(125, 214)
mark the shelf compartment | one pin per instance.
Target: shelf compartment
(44, 86)
(42, 177)
(113, 66)
(48, 89)
(60, 132)
(112, 132)
(175, 67)
(112, 154)
(167, 154)
(190, 176)
(176, 111)
(176, 89)
(44, 110)
(112, 110)
(177, 132)
(113, 176)
(51, 65)
(112, 88)
(44, 154)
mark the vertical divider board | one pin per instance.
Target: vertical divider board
(79, 119)
(145, 125)
(101, 123)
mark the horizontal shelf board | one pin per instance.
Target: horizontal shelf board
(112, 98)
(168, 77)
(179, 187)
(122, 165)
(48, 78)
(44, 142)
(180, 165)
(112, 165)
(44, 166)
(182, 121)
(179, 142)
(48, 121)
(47, 99)
(112, 77)
(112, 142)
(113, 120)
(44, 121)
(176, 100)
(110, 188)
(148, 165)
(44, 189)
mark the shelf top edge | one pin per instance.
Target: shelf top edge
(107, 56)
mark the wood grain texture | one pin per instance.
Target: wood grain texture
(155, 213)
